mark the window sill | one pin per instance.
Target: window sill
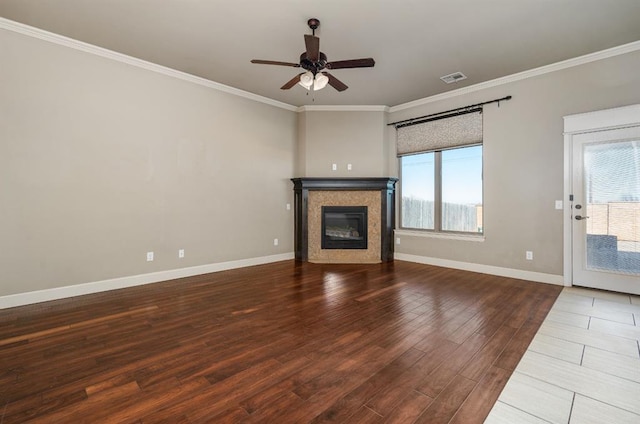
(446, 236)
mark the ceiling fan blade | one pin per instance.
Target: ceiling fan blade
(291, 82)
(335, 82)
(275, 62)
(313, 47)
(352, 63)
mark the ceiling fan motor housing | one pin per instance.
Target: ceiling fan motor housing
(314, 67)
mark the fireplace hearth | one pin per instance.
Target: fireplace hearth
(344, 240)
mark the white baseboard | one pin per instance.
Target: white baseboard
(38, 296)
(484, 269)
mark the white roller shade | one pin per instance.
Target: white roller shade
(456, 131)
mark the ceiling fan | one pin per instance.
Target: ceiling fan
(315, 62)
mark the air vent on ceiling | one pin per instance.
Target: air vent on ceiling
(455, 77)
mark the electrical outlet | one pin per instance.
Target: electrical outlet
(275, 242)
(334, 167)
(181, 253)
(288, 206)
(529, 255)
(559, 204)
(149, 256)
(348, 167)
(397, 240)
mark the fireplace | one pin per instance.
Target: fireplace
(344, 227)
(346, 242)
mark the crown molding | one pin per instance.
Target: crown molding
(61, 40)
(30, 31)
(345, 108)
(569, 63)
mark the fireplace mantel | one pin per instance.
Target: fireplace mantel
(385, 186)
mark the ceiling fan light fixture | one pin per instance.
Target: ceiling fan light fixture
(306, 80)
(320, 82)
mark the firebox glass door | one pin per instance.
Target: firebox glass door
(344, 227)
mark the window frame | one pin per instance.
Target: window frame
(437, 194)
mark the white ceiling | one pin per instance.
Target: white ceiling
(414, 42)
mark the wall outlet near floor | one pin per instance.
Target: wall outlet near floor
(529, 255)
(334, 167)
(181, 253)
(397, 240)
(149, 256)
(349, 167)
(275, 242)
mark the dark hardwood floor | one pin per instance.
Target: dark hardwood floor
(284, 343)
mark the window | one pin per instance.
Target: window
(442, 190)
(441, 172)
(417, 176)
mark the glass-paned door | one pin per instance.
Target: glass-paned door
(606, 210)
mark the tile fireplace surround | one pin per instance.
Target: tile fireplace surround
(377, 193)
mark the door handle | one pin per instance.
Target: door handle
(578, 217)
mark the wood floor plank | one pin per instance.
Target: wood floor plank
(446, 371)
(479, 403)
(517, 346)
(445, 406)
(365, 416)
(409, 409)
(404, 384)
(482, 361)
(347, 405)
(281, 342)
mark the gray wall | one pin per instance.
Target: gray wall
(523, 161)
(101, 162)
(342, 137)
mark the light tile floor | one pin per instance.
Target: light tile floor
(582, 367)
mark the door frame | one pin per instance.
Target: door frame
(601, 120)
